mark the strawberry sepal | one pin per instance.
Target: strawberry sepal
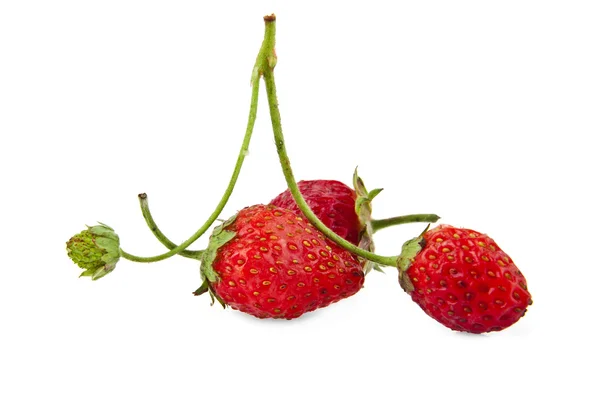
(220, 237)
(202, 289)
(363, 210)
(410, 249)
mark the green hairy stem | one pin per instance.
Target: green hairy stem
(267, 72)
(265, 49)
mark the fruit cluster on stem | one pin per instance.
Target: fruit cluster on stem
(273, 261)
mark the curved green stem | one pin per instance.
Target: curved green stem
(379, 224)
(266, 56)
(269, 78)
(130, 257)
(143, 198)
(236, 171)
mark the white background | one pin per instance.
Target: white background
(482, 112)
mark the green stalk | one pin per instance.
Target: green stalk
(267, 72)
(379, 224)
(143, 198)
(266, 57)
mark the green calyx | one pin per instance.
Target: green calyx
(410, 249)
(363, 209)
(218, 239)
(96, 250)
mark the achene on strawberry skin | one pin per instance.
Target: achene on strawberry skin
(462, 279)
(271, 263)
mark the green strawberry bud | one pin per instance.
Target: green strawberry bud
(96, 250)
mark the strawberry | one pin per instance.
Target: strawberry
(344, 210)
(271, 263)
(333, 202)
(462, 279)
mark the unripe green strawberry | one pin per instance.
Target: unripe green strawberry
(96, 250)
(271, 263)
(462, 279)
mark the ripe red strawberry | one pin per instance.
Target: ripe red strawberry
(463, 280)
(271, 263)
(332, 202)
(345, 211)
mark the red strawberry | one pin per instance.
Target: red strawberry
(271, 263)
(332, 202)
(345, 211)
(463, 280)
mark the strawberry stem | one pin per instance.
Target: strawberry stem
(268, 64)
(266, 57)
(379, 224)
(143, 198)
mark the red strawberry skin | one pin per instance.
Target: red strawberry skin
(465, 281)
(279, 266)
(333, 202)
